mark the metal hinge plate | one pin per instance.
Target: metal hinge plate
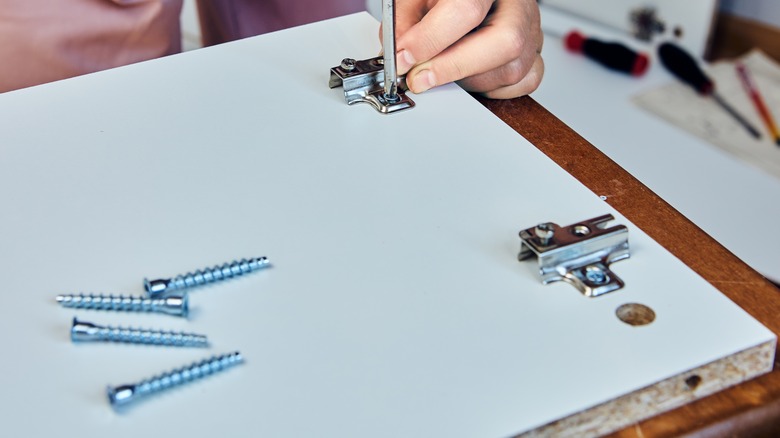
(579, 254)
(363, 81)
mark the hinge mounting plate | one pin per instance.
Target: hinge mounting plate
(579, 254)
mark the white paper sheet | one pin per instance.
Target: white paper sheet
(703, 117)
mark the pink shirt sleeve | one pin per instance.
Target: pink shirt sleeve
(228, 20)
(47, 40)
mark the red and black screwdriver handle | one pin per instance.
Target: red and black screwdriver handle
(682, 65)
(615, 56)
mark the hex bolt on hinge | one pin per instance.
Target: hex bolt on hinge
(177, 305)
(83, 331)
(124, 394)
(579, 254)
(165, 286)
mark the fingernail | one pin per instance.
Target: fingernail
(423, 81)
(405, 61)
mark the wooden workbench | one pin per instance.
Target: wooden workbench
(749, 409)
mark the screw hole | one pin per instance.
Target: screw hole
(635, 314)
(580, 230)
(693, 382)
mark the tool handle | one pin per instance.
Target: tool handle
(612, 55)
(681, 64)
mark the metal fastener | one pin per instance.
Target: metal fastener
(124, 394)
(163, 286)
(544, 232)
(595, 275)
(177, 305)
(348, 64)
(83, 331)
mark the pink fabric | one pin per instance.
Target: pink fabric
(47, 40)
(228, 20)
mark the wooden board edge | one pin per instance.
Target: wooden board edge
(663, 396)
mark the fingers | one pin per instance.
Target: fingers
(422, 32)
(498, 42)
(528, 84)
(494, 51)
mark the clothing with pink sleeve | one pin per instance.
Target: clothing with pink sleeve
(47, 40)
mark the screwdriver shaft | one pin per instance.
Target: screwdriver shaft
(388, 42)
(737, 116)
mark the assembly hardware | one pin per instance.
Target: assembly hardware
(647, 23)
(579, 254)
(164, 286)
(364, 82)
(83, 331)
(375, 81)
(123, 394)
(177, 305)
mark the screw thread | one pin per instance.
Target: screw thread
(172, 304)
(235, 268)
(87, 331)
(156, 337)
(125, 393)
(218, 273)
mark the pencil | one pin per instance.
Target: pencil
(758, 101)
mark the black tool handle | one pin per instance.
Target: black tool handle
(613, 55)
(681, 64)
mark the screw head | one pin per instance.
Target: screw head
(120, 395)
(544, 232)
(82, 331)
(595, 275)
(391, 98)
(348, 64)
(156, 288)
(177, 305)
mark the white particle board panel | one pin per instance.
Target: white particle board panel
(395, 305)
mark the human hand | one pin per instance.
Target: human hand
(492, 47)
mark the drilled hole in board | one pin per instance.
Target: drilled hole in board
(635, 314)
(693, 381)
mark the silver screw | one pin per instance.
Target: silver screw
(544, 232)
(83, 331)
(124, 394)
(177, 305)
(348, 64)
(164, 286)
(596, 275)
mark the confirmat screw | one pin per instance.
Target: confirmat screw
(177, 305)
(83, 331)
(164, 286)
(124, 394)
